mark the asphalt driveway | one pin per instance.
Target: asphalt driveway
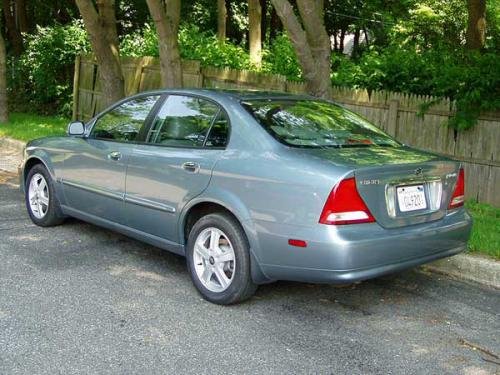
(80, 299)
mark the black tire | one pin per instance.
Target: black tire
(53, 215)
(242, 286)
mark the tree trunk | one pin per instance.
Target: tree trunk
(263, 20)
(221, 20)
(254, 30)
(106, 52)
(166, 19)
(310, 41)
(476, 26)
(13, 33)
(22, 16)
(355, 43)
(4, 110)
(341, 40)
(275, 25)
(107, 15)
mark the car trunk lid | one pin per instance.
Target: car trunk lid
(400, 186)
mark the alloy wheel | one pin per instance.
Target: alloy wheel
(38, 196)
(214, 259)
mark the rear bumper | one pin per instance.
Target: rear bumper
(347, 276)
(340, 254)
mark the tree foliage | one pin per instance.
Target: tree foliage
(413, 46)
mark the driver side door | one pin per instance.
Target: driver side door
(93, 173)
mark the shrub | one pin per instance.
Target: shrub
(43, 76)
(472, 79)
(281, 59)
(194, 44)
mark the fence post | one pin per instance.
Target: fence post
(76, 87)
(392, 120)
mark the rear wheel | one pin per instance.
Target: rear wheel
(218, 259)
(41, 201)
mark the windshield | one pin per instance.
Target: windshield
(315, 123)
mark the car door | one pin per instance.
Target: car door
(175, 164)
(93, 173)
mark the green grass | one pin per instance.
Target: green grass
(485, 237)
(25, 126)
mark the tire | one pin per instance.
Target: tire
(47, 212)
(206, 263)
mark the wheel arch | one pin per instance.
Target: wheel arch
(204, 205)
(30, 163)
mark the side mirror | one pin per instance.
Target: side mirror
(76, 129)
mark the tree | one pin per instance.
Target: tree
(310, 41)
(254, 31)
(101, 27)
(166, 17)
(275, 25)
(221, 20)
(4, 111)
(13, 32)
(22, 16)
(476, 25)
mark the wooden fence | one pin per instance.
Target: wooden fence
(397, 114)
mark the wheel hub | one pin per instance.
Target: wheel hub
(214, 259)
(38, 196)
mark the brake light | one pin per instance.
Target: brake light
(458, 197)
(345, 206)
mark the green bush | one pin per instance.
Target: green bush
(280, 58)
(43, 75)
(194, 44)
(472, 79)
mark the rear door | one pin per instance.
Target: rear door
(175, 164)
(93, 174)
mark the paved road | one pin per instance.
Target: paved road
(80, 299)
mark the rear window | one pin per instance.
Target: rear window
(316, 123)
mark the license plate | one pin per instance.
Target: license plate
(411, 198)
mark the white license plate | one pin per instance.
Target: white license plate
(411, 198)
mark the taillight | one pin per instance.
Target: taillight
(458, 197)
(345, 206)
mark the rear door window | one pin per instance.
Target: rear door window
(185, 121)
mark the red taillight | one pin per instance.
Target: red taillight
(345, 206)
(458, 197)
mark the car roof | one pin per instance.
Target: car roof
(240, 95)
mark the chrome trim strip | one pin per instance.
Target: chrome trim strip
(106, 193)
(149, 204)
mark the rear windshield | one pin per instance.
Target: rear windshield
(316, 123)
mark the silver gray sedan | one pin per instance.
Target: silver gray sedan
(251, 187)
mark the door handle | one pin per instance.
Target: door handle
(191, 166)
(115, 155)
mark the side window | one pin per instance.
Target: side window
(219, 133)
(183, 121)
(124, 122)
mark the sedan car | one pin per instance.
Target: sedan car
(251, 187)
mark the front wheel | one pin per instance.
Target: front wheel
(41, 200)
(218, 259)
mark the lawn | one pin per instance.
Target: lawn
(25, 126)
(485, 237)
